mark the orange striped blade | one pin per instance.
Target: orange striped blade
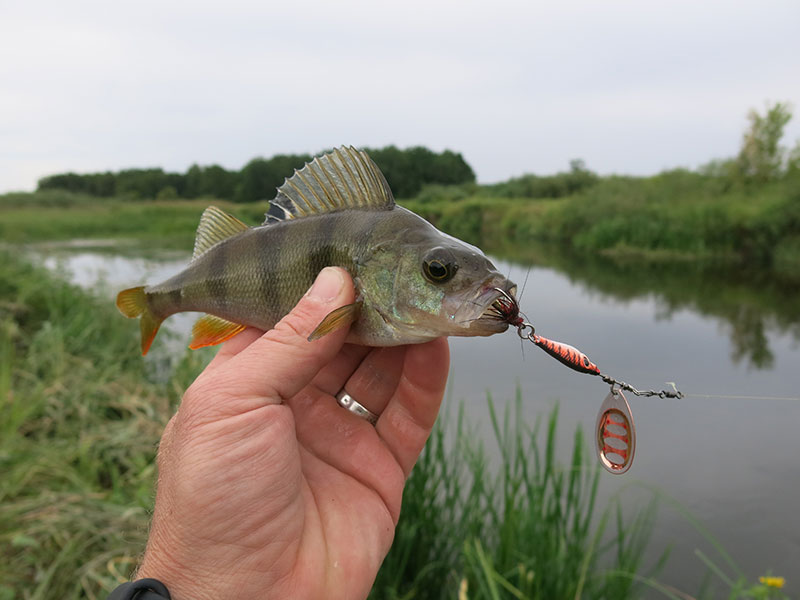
(615, 435)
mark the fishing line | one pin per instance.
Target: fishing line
(733, 397)
(524, 284)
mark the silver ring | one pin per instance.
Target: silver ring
(346, 401)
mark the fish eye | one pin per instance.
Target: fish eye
(439, 270)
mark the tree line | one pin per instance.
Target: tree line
(407, 171)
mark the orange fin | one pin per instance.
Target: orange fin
(133, 303)
(210, 330)
(341, 317)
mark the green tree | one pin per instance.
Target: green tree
(63, 181)
(213, 181)
(219, 182)
(167, 193)
(194, 181)
(761, 157)
(101, 184)
(793, 162)
(141, 183)
(260, 177)
(407, 171)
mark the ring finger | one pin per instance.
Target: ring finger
(375, 380)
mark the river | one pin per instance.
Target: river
(729, 452)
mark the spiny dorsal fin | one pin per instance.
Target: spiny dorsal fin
(343, 178)
(215, 226)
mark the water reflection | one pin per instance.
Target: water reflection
(750, 303)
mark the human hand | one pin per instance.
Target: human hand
(267, 487)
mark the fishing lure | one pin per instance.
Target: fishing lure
(615, 433)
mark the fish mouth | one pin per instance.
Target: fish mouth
(491, 311)
(505, 307)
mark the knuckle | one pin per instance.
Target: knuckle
(291, 328)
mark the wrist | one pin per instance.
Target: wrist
(192, 576)
(141, 589)
(182, 581)
(179, 588)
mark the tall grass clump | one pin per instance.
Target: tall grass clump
(680, 212)
(527, 527)
(79, 425)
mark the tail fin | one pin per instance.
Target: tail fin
(133, 303)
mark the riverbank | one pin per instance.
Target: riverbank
(677, 215)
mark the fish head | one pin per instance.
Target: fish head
(434, 285)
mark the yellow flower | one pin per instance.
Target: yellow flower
(462, 590)
(773, 582)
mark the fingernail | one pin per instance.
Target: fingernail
(327, 285)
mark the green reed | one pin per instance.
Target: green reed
(525, 527)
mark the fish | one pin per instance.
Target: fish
(413, 283)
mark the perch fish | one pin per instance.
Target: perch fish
(413, 282)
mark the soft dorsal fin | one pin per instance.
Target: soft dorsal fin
(215, 226)
(343, 178)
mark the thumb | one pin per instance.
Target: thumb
(282, 361)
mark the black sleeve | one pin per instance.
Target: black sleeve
(142, 589)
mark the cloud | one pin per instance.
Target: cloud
(515, 86)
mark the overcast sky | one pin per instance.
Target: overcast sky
(628, 86)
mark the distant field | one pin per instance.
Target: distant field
(56, 215)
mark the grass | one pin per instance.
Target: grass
(79, 424)
(56, 215)
(80, 421)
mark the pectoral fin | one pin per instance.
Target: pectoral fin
(341, 317)
(210, 330)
